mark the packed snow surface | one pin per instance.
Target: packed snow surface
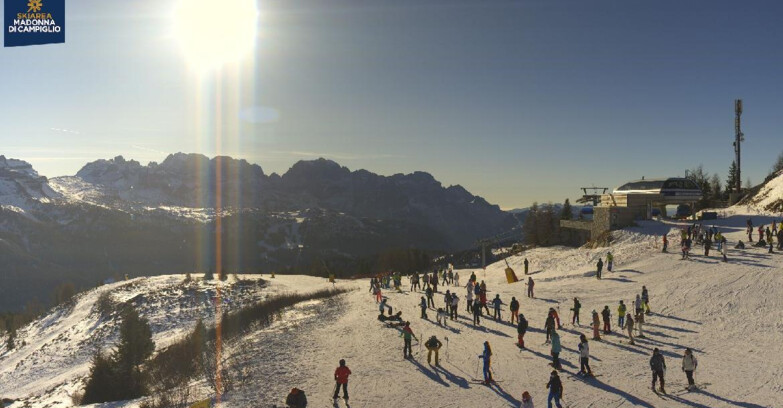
(730, 314)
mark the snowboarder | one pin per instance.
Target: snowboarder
(521, 329)
(526, 265)
(645, 300)
(530, 284)
(658, 366)
(596, 326)
(407, 334)
(476, 312)
(584, 356)
(433, 344)
(575, 309)
(514, 308)
(689, 364)
(549, 325)
(607, 317)
(496, 303)
(527, 400)
(341, 378)
(609, 261)
(600, 266)
(629, 326)
(423, 306)
(555, 390)
(555, 350)
(296, 399)
(487, 357)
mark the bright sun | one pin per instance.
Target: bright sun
(214, 32)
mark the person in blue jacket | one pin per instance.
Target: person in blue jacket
(487, 356)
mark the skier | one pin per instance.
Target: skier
(483, 297)
(549, 325)
(609, 261)
(724, 248)
(689, 364)
(554, 314)
(423, 305)
(382, 307)
(473, 277)
(629, 326)
(665, 243)
(496, 303)
(341, 378)
(596, 326)
(761, 232)
(645, 300)
(658, 367)
(445, 278)
(430, 302)
(406, 334)
(456, 278)
(530, 284)
(469, 297)
(447, 301)
(638, 304)
(476, 312)
(296, 399)
(607, 317)
(750, 230)
(639, 324)
(556, 351)
(441, 317)
(575, 309)
(514, 308)
(555, 390)
(600, 266)
(707, 245)
(433, 344)
(780, 237)
(527, 400)
(584, 356)
(414, 282)
(521, 329)
(450, 276)
(487, 357)
(526, 265)
(454, 306)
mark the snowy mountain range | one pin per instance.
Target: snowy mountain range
(117, 217)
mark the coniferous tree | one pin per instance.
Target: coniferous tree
(530, 227)
(778, 166)
(566, 213)
(731, 181)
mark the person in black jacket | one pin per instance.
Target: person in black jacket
(600, 267)
(658, 367)
(607, 316)
(521, 329)
(555, 389)
(296, 399)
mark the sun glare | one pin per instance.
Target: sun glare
(214, 32)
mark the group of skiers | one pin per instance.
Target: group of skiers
(600, 264)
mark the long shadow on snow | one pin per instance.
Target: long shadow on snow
(628, 397)
(449, 328)
(453, 378)
(547, 300)
(657, 333)
(549, 358)
(624, 347)
(503, 394)
(663, 343)
(620, 279)
(675, 318)
(676, 329)
(727, 401)
(483, 328)
(433, 375)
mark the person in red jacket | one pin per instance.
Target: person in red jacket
(341, 378)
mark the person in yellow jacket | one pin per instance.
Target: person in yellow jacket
(621, 315)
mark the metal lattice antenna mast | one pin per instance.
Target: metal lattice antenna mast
(739, 137)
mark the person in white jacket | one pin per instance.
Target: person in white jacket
(527, 400)
(689, 364)
(584, 356)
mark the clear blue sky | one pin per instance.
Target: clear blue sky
(515, 100)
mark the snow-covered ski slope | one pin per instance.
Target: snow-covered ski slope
(730, 314)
